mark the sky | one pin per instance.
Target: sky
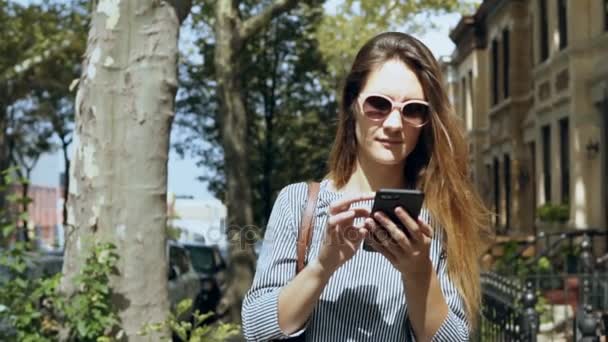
(182, 173)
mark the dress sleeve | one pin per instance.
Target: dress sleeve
(455, 327)
(276, 266)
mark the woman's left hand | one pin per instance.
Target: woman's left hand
(408, 254)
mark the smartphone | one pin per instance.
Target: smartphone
(387, 200)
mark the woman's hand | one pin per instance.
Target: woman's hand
(408, 254)
(342, 239)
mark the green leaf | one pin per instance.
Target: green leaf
(8, 229)
(183, 307)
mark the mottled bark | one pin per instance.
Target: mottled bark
(118, 174)
(231, 34)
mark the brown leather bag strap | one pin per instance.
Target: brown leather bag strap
(307, 225)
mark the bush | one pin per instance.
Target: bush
(193, 330)
(34, 310)
(554, 212)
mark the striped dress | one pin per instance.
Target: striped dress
(364, 299)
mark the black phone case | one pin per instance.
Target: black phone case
(387, 200)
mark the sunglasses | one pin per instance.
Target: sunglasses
(377, 107)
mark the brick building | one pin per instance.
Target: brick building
(530, 80)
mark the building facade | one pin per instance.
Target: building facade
(529, 79)
(198, 220)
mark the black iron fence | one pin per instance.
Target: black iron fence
(566, 302)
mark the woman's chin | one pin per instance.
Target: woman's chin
(387, 159)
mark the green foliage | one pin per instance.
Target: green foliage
(549, 212)
(41, 45)
(33, 307)
(340, 35)
(38, 312)
(89, 311)
(194, 329)
(23, 299)
(510, 264)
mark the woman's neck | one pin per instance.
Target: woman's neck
(370, 176)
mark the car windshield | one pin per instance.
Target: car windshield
(202, 258)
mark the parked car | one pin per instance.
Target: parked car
(183, 281)
(211, 268)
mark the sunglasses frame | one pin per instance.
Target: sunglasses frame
(394, 105)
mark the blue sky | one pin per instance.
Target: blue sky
(183, 172)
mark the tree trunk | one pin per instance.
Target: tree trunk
(234, 139)
(231, 34)
(66, 180)
(25, 185)
(269, 118)
(4, 159)
(118, 186)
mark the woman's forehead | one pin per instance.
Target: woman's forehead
(396, 80)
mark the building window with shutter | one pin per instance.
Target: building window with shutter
(507, 175)
(546, 136)
(463, 99)
(605, 15)
(543, 30)
(562, 17)
(564, 155)
(496, 192)
(470, 99)
(494, 70)
(505, 62)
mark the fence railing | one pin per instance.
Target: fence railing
(553, 306)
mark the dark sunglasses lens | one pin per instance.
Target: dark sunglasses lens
(376, 106)
(416, 113)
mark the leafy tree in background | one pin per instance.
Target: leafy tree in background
(28, 138)
(235, 25)
(40, 51)
(290, 115)
(340, 35)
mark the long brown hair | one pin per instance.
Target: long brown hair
(438, 165)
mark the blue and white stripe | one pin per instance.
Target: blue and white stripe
(364, 299)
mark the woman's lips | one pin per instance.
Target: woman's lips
(389, 142)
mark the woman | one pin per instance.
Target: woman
(396, 130)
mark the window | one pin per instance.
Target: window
(564, 137)
(543, 30)
(496, 191)
(531, 42)
(532, 149)
(546, 136)
(471, 93)
(463, 98)
(606, 15)
(494, 66)
(507, 166)
(470, 99)
(562, 17)
(505, 62)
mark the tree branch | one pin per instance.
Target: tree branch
(252, 25)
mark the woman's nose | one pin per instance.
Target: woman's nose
(393, 120)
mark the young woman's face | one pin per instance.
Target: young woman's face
(390, 140)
